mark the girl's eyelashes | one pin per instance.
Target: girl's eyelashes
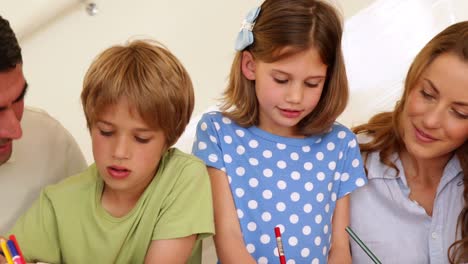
(284, 81)
(280, 81)
(312, 85)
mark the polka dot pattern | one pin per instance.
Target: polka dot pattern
(287, 182)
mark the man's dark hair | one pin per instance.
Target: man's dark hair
(10, 51)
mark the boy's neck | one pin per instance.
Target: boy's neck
(119, 204)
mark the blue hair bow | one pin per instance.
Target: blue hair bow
(245, 36)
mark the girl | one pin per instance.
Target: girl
(274, 154)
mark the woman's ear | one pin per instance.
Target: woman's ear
(248, 65)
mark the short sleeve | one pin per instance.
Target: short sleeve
(352, 175)
(36, 232)
(207, 142)
(188, 209)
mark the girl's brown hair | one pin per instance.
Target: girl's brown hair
(150, 77)
(383, 127)
(297, 24)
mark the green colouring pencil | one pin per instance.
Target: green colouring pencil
(362, 245)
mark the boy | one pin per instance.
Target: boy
(142, 201)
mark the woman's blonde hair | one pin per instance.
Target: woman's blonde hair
(298, 24)
(384, 127)
(150, 77)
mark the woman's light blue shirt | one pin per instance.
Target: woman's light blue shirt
(396, 228)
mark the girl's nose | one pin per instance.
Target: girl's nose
(294, 93)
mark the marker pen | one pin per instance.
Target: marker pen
(279, 243)
(18, 249)
(14, 253)
(6, 252)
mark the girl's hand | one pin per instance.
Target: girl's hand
(340, 252)
(339, 258)
(229, 242)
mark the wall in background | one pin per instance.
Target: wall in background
(381, 37)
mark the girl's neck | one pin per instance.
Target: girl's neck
(286, 132)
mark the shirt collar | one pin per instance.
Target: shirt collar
(378, 170)
(452, 170)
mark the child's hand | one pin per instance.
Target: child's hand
(339, 259)
(340, 252)
(3, 259)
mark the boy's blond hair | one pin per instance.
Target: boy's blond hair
(150, 77)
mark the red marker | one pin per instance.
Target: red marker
(282, 257)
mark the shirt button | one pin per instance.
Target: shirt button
(434, 235)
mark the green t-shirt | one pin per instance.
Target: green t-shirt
(67, 224)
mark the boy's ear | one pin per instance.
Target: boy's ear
(248, 65)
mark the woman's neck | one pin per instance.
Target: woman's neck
(427, 171)
(423, 178)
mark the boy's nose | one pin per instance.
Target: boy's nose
(121, 149)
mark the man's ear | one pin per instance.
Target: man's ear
(248, 65)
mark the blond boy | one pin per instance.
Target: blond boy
(142, 201)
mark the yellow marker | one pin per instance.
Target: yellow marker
(6, 252)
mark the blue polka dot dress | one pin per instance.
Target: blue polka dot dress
(287, 182)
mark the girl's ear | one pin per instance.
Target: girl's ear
(248, 65)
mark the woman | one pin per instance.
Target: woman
(415, 206)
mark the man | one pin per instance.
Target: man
(35, 150)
